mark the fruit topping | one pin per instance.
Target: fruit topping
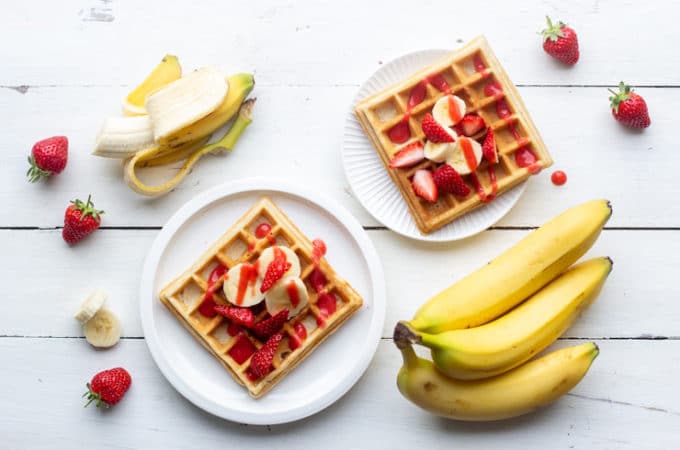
(629, 108)
(489, 149)
(448, 180)
(296, 340)
(261, 362)
(434, 131)
(560, 42)
(408, 156)
(318, 280)
(423, 185)
(242, 285)
(242, 349)
(102, 330)
(471, 124)
(558, 178)
(270, 325)
(240, 316)
(208, 304)
(263, 230)
(80, 220)
(448, 110)
(48, 157)
(466, 157)
(275, 270)
(108, 387)
(439, 152)
(288, 294)
(327, 306)
(493, 89)
(400, 133)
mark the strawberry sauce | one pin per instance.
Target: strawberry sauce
(558, 178)
(318, 251)
(479, 65)
(247, 277)
(242, 349)
(454, 111)
(293, 294)
(299, 337)
(469, 153)
(525, 157)
(484, 197)
(327, 306)
(207, 305)
(264, 230)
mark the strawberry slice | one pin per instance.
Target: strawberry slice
(489, 147)
(273, 324)
(240, 316)
(471, 125)
(275, 270)
(448, 180)
(423, 185)
(408, 156)
(434, 132)
(261, 362)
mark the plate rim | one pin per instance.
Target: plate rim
(330, 206)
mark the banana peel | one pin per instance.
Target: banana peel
(157, 156)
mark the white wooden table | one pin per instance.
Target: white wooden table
(66, 65)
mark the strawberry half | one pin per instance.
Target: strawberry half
(434, 132)
(448, 180)
(275, 270)
(408, 156)
(261, 362)
(471, 125)
(424, 186)
(489, 147)
(240, 316)
(268, 327)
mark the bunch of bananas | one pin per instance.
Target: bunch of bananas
(170, 118)
(479, 369)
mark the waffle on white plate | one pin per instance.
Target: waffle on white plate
(330, 299)
(392, 120)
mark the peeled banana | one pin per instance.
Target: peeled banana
(103, 330)
(517, 273)
(122, 137)
(519, 391)
(90, 306)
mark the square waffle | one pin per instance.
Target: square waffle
(474, 74)
(184, 295)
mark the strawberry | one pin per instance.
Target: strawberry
(423, 185)
(240, 316)
(48, 157)
(434, 132)
(318, 280)
(273, 324)
(489, 147)
(108, 387)
(448, 180)
(80, 220)
(275, 271)
(560, 41)
(408, 156)
(470, 125)
(261, 362)
(629, 108)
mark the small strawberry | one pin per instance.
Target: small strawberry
(261, 362)
(108, 387)
(448, 180)
(318, 280)
(423, 185)
(629, 108)
(240, 316)
(470, 125)
(80, 220)
(48, 157)
(273, 324)
(489, 149)
(434, 132)
(560, 41)
(408, 156)
(275, 271)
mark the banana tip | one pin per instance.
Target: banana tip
(611, 263)
(596, 350)
(403, 336)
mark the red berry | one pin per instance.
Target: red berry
(240, 316)
(424, 186)
(629, 108)
(448, 180)
(561, 42)
(273, 324)
(275, 270)
(434, 132)
(471, 125)
(48, 157)
(108, 387)
(489, 147)
(408, 156)
(318, 280)
(261, 362)
(80, 220)
(558, 178)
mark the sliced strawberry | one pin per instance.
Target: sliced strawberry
(273, 324)
(261, 362)
(275, 270)
(471, 124)
(489, 147)
(434, 132)
(408, 156)
(318, 280)
(423, 185)
(448, 180)
(240, 316)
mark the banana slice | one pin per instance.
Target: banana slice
(102, 330)
(185, 101)
(242, 286)
(449, 110)
(439, 152)
(290, 293)
(267, 257)
(90, 306)
(122, 137)
(466, 156)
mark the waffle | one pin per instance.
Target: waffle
(184, 295)
(466, 71)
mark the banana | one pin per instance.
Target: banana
(267, 257)
(166, 71)
(240, 86)
(103, 330)
(448, 110)
(185, 101)
(466, 155)
(90, 306)
(514, 338)
(519, 391)
(439, 151)
(515, 274)
(290, 293)
(122, 137)
(242, 286)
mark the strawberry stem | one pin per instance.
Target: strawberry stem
(34, 172)
(87, 209)
(619, 97)
(93, 396)
(554, 31)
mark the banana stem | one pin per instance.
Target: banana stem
(243, 119)
(404, 336)
(409, 355)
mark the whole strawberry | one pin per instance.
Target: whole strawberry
(560, 41)
(629, 108)
(80, 220)
(108, 387)
(48, 157)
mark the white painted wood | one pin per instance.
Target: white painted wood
(639, 299)
(628, 400)
(297, 135)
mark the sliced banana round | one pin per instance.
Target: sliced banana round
(449, 110)
(267, 257)
(466, 156)
(439, 151)
(290, 293)
(102, 330)
(242, 285)
(90, 306)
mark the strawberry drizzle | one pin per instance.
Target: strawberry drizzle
(296, 340)
(454, 111)
(469, 153)
(293, 294)
(479, 65)
(242, 349)
(318, 251)
(525, 157)
(327, 306)
(247, 277)
(207, 305)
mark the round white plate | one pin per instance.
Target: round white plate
(373, 186)
(329, 371)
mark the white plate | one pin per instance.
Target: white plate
(326, 374)
(374, 188)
